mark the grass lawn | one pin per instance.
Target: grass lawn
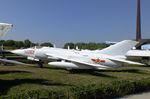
(18, 80)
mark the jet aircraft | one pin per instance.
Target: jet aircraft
(110, 57)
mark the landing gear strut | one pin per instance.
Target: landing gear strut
(3, 57)
(40, 64)
(145, 60)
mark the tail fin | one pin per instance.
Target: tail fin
(119, 48)
(4, 28)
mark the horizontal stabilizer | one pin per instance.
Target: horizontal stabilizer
(125, 61)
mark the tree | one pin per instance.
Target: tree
(90, 46)
(71, 45)
(27, 43)
(2, 42)
(9, 43)
(19, 44)
(47, 44)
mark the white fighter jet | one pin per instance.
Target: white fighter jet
(110, 57)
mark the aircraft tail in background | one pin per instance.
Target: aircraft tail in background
(4, 28)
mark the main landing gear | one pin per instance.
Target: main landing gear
(40, 64)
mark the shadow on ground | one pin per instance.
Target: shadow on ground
(101, 72)
(137, 71)
(90, 72)
(5, 85)
(53, 68)
(13, 71)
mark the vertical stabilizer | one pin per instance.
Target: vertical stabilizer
(4, 28)
(120, 48)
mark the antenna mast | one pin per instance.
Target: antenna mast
(138, 22)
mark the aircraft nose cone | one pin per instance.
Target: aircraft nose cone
(6, 24)
(12, 25)
(18, 52)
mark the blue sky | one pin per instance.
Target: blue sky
(61, 21)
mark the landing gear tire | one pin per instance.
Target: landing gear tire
(40, 64)
(145, 60)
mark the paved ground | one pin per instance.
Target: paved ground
(138, 96)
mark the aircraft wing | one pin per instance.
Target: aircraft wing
(14, 62)
(124, 61)
(76, 60)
